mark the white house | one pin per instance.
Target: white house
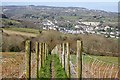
(107, 27)
(91, 23)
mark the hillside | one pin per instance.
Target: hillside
(52, 25)
(93, 44)
(74, 20)
(72, 14)
(46, 42)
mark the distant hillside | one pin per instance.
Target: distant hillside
(58, 12)
(66, 17)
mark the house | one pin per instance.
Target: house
(91, 23)
(107, 27)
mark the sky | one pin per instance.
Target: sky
(59, 0)
(107, 5)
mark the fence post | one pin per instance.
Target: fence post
(40, 58)
(60, 52)
(37, 59)
(79, 59)
(28, 59)
(43, 56)
(45, 51)
(68, 59)
(118, 74)
(63, 55)
(59, 48)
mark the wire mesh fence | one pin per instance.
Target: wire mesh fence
(92, 66)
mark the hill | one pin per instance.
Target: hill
(93, 44)
(61, 14)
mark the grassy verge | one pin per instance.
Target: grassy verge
(73, 58)
(107, 59)
(59, 71)
(45, 71)
(28, 30)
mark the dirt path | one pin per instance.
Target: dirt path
(19, 33)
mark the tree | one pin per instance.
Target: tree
(101, 22)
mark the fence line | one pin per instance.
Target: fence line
(41, 56)
(64, 52)
(100, 68)
(86, 66)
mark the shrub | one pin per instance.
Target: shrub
(14, 48)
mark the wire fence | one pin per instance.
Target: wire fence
(80, 65)
(24, 65)
(92, 66)
(96, 68)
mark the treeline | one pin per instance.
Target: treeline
(93, 44)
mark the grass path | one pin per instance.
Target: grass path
(52, 68)
(57, 70)
(45, 72)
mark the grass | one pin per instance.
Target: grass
(11, 64)
(73, 58)
(59, 71)
(45, 71)
(9, 20)
(71, 17)
(107, 59)
(28, 30)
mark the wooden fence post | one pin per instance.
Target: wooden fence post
(118, 60)
(37, 59)
(40, 58)
(28, 59)
(68, 59)
(43, 56)
(63, 55)
(79, 59)
(59, 48)
(45, 50)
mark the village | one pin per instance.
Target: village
(84, 28)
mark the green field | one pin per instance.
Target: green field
(28, 30)
(8, 21)
(107, 59)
